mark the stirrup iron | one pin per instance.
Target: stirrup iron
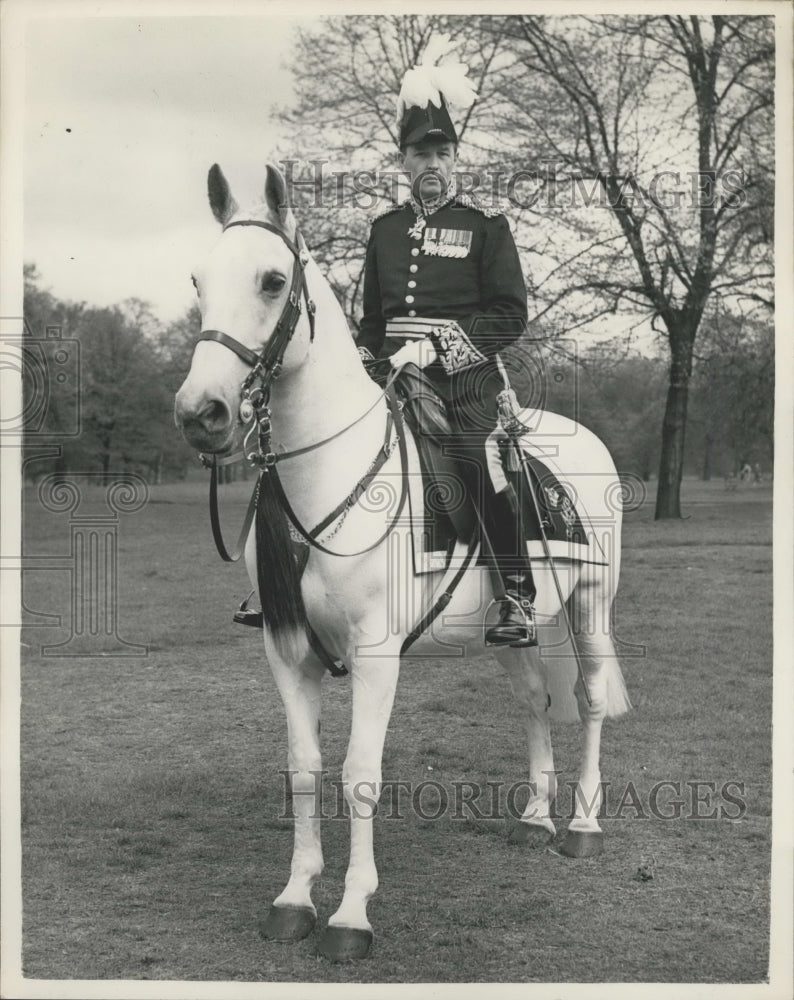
(249, 616)
(526, 609)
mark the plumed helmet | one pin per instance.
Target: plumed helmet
(428, 89)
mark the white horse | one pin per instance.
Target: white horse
(362, 607)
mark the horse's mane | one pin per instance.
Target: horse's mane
(277, 570)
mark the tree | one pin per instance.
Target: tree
(734, 393)
(631, 94)
(657, 130)
(51, 389)
(620, 397)
(114, 409)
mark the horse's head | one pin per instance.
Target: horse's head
(243, 287)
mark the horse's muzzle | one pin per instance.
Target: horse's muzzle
(206, 422)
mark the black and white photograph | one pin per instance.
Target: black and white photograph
(397, 465)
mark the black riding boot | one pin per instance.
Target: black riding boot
(516, 625)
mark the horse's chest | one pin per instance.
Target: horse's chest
(339, 599)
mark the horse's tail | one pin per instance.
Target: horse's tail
(278, 574)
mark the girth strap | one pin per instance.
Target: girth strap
(430, 616)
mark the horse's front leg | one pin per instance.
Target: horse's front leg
(528, 680)
(292, 915)
(374, 681)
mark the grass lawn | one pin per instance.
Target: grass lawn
(153, 833)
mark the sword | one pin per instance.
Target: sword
(507, 402)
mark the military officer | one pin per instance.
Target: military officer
(444, 290)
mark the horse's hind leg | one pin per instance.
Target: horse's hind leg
(292, 915)
(590, 615)
(528, 680)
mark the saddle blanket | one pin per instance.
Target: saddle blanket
(570, 532)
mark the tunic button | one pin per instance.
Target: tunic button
(413, 268)
(409, 298)
(412, 312)
(415, 252)
(412, 284)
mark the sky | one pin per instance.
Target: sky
(123, 118)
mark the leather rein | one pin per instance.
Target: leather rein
(255, 408)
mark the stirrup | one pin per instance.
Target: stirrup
(249, 616)
(526, 610)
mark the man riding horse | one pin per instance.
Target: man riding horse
(444, 290)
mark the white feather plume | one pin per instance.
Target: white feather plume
(417, 90)
(428, 81)
(437, 47)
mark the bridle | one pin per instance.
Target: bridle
(265, 367)
(255, 408)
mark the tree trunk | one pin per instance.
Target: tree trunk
(671, 463)
(709, 436)
(707, 456)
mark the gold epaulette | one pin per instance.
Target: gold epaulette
(386, 211)
(490, 211)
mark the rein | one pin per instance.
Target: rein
(216, 463)
(385, 452)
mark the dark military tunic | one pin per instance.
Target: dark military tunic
(453, 276)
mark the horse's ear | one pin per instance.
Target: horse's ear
(276, 196)
(222, 203)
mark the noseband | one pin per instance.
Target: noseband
(265, 367)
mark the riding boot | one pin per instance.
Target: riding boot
(516, 625)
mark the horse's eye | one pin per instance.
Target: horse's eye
(272, 283)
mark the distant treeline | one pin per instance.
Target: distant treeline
(99, 386)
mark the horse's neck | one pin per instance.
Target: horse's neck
(322, 397)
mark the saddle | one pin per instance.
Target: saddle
(449, 515)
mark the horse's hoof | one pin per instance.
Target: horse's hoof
(287, 923)
(529, 834)
(582, 843)
(343, 944)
